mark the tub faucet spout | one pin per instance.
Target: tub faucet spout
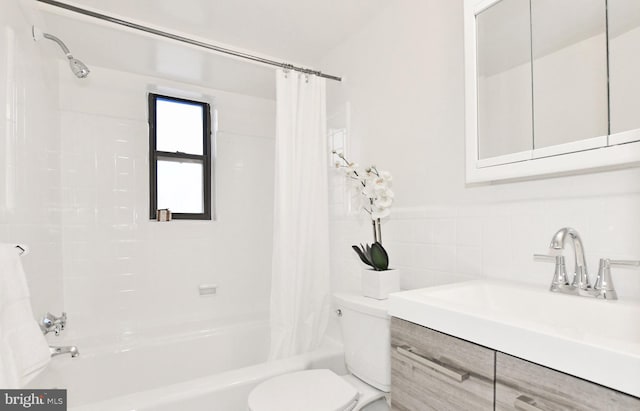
(70, 349)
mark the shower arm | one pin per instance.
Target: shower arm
(63, 46)
(78, 68)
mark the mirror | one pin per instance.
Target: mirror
(504, 79)
(624, 65)
(550, 87)
(569, 46)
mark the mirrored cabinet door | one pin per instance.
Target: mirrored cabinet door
(551, 86)
(569, 45)
(624, 70)
(504, 82)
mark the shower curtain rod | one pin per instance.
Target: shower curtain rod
(187, 40)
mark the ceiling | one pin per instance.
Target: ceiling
(298, 32)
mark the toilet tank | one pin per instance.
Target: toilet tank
(365, 331)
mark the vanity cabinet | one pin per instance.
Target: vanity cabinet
(524, 385)
(435, 371)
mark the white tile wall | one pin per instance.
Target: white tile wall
(438, 245)
(124, 273)
(30, 155)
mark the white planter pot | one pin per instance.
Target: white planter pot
(379, 284)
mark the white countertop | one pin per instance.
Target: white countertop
(597, 340)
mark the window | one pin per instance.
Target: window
(179, 157)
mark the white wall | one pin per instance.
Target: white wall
(404, 82)
(30, 155)
(123, 272)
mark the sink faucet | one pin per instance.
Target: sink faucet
(71, 349)
(603, 287)
(581, 277)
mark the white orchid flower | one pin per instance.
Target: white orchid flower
(383, 201)
(379, 185)
(386, 176)
(369, 192)
(371, 187)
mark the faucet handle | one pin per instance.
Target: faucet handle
(51, 323)
(622, 263)
(560, 279)
(545, 257)
(604, 287)
(63, 320)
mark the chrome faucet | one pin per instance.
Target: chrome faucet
(51, 323)
(581, 276)
(580, 285)
(70, 349)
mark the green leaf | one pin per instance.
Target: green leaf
(379, 257)
(368, 253)
(360, 253)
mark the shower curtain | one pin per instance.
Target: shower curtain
(300, 298)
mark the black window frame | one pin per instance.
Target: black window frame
(154, 155)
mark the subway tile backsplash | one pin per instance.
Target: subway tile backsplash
(494, 241)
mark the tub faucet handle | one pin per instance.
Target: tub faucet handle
(51, 323)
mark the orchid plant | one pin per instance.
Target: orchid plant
(373, 189)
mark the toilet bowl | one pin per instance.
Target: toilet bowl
(365, 329)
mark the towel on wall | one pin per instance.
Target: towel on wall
(24, 351)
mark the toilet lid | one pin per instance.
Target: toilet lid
(310, 390)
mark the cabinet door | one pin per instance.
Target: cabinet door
(434, 371)
(522, 385)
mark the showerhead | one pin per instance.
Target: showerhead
(77, 67)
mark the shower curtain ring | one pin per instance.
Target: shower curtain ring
(287, 68)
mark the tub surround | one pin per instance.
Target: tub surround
(30, 195)
(146, 274)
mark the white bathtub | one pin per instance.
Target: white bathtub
(210, 369)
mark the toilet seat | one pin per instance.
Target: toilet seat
(310, 390)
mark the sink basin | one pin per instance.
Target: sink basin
(593, 339)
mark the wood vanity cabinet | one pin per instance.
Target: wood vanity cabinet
(435, 371)
(523, 385)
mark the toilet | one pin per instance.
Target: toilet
(365, 330)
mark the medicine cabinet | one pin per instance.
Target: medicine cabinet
(551, 86)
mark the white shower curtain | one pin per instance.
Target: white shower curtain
(300, 298)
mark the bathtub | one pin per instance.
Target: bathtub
(206, 369)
